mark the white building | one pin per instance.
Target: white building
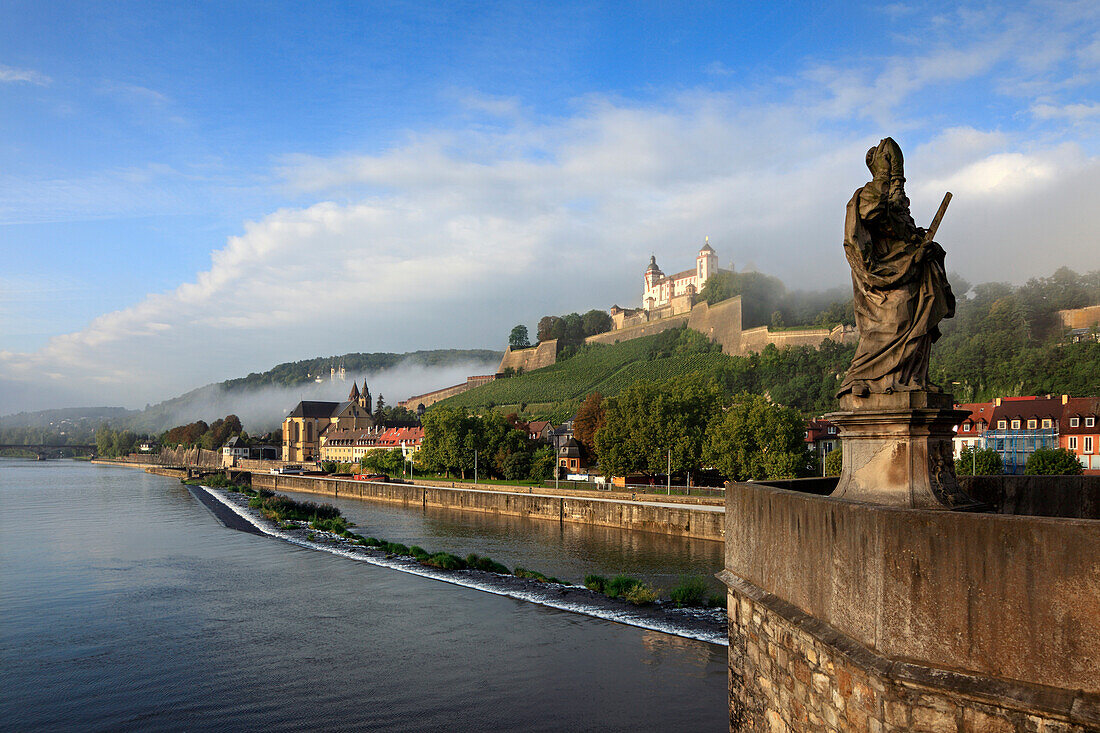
(660, 289)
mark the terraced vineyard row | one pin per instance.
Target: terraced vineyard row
(608, 370)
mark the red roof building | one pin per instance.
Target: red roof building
(969, 432)
(1079, 431)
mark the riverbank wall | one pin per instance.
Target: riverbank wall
(677, 521)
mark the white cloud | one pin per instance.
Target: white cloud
(452, 236)
(1074, 112)
(29, 76)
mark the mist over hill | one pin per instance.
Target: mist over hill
(262, 399)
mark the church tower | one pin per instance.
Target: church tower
(353, 396)
(364, 398)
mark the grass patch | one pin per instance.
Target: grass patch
(641, 594)
(690, 592)
(595, 582)
(446, 561)
(487, 564)
(717, 600)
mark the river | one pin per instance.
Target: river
(125, 604)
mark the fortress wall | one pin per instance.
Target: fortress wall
(430, 398)
(1081, 317)
(720, 322)
(647, 328)
(542, 355)
(868, 617)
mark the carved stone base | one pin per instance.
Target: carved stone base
(898, 452)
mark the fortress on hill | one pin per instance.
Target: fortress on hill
(671, 301)
(668, 301)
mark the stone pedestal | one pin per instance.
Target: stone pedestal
(898, 451)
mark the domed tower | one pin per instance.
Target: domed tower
(653, 276)
(706, 264)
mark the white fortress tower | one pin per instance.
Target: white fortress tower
(659, 289)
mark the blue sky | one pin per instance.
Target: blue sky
(193, 191)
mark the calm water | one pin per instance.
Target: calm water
(125, 604)
(566, 550)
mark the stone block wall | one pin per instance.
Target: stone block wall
(788, 674)
(648, 328)
(541, 355)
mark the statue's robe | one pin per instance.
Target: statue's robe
(901, 292)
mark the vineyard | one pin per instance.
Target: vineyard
(556, 389)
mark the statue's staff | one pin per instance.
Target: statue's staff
(931, 233)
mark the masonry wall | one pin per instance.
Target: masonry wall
(963, 608)
(647, 328)
(1081, 317)
(789, 673)
(541, 355)
(720, 322)
(683, 522)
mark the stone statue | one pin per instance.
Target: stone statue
(899, 282)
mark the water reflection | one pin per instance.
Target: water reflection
(568, 550)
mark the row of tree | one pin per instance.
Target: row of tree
(570, 328)
(695, 423)
(198, 433)
(455, 440)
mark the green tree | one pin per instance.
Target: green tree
(755, 439)
(649, 419)
(978, 461)
(390, 462)
(519, 339)
(834, 462)
(104, 440)
(595, 322)
(543, 460)
(1053, 462)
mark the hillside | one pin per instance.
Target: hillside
(293, 373)
(260, 399)
(801, 377)
(1004, 341)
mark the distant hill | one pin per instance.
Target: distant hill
(260, 399)
(65, 415)
(301, 372)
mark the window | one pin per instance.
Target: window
(1073, 442)
(1016, 424)
(1001, 425)
(1032, 424)
(832, 431)
(1090, 421)
(1046, 423)
(966, 428)
(1088, 444)
(1074, 422)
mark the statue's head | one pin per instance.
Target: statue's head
(885, 160)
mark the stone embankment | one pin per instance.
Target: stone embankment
(677, 518)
